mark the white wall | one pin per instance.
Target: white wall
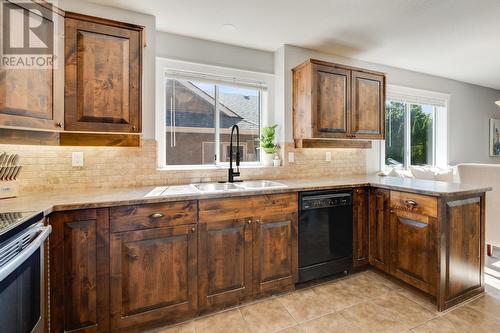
(212, 53)
(470, 107)
(149, 54)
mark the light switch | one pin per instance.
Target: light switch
(328, 156)
(77, 159)
(291, 157)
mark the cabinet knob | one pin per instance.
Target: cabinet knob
(59, 125)
(156, 215)
(249, 222)
(411, 203)
(193, 229)
(258, 221)
(133, 128)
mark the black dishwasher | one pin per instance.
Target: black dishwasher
(325, 233)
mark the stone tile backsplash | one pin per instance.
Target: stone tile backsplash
(48, 168)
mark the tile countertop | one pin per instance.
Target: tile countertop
(48, 202)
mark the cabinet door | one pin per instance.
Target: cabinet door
(275, 253)
(103, 75)
(79, 271)
(331, 101)
(31, 96)
(414, 249)
(367, 119)
(361, 226)
(153, 276)
(224, 262)
(380, 229)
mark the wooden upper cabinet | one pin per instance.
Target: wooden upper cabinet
(79, 271)
(367, 109)
(31, 97)
(331, 95)
(335, 101)
(103, 75)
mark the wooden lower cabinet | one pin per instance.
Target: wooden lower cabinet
(224, 262)
(462, 259)
(360, 217)
(379, 234)
(242, 254)
(275, 253)
(79, 271)
(435, 244)
(129, 268)
(413, 249)
(153, 275)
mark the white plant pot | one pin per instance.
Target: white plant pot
(267, 159)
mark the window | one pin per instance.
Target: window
(199, 114)
(409, 134)
(415, 128)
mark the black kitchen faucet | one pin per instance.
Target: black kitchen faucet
(231, 172)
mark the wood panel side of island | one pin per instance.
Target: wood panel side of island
(461, 251)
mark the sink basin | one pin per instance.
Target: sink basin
(217, 187)
(246, 185)
(256, 184)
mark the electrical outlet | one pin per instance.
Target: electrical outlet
(328, 156)
(291, 157)
(77, 159)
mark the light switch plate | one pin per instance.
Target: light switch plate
(291, 157)
(77, 159)
(328, 156)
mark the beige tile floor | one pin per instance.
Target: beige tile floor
(366, 302)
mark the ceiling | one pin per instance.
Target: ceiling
(457, 39)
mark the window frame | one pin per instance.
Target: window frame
(441, 108)
(163, 65)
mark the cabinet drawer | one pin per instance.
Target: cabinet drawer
(126, 218)
(416, 203)
(235, 208)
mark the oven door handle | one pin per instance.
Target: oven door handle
(22, 256)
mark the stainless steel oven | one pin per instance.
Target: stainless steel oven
(22, 272)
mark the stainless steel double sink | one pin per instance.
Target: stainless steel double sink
(240, 186)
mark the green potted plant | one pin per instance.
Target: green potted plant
(268, 145)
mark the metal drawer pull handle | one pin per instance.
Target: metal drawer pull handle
(156, 215)
(411, 203)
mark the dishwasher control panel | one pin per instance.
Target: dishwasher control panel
(325, 200)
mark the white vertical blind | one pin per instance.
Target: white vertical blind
(214, 79)
(417, 96)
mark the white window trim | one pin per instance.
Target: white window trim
(442, 119)
(163, 64)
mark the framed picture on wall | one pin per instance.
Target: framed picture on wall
(494, 137)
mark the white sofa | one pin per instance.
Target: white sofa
(486, 174)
